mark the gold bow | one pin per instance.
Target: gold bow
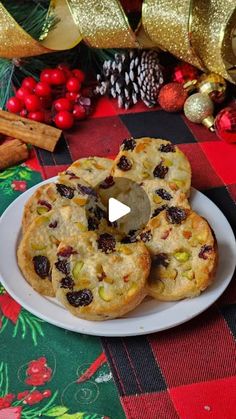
(201, 32)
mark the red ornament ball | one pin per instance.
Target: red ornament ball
(57, 77)
(37, 116)
(79, 112)
(14, 105)
(42, 89)
(29, 83)
(73, 85)
(62, 104)
(32, 103)
(45, 75)
(184, 72)
(172, 97)
(64, 120)
(225, 124)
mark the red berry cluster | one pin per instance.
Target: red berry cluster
(33, 397)
(56, 97)
(38, 373)
(6, 401)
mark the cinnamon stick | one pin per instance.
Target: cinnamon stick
(12, 152)
(32, 132)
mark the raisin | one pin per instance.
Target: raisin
(63, 266)
(124, 164)
(86, 190)
(160, 171)
(93, 224)
(176, 215)
(53, 224)
(71, 174)
(67, 282)
(158, 210)
(131, 237)
(164, 194)
(106, 243)
(107, 183)
(113, 224)
(67, 252)
(65, 191)
(146, 236)
(80, 298)
(45, 204)
(167, 148)
(204, 251)
(128, 144)
(41, 266)
(161, 259)
(99, 213)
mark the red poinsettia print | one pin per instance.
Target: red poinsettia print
(11, 413)
(33, 397)
(9, 307)
(19, 185)
(38, 373)
(6, 401)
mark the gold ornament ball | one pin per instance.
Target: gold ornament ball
(213, 85)
(199, 108)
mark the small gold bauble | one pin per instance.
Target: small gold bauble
(213, 85)
(199, 108)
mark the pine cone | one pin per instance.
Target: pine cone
(131, 76)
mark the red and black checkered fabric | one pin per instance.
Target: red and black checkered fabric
(190, 371)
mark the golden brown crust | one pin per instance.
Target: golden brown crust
(30, 211)
(116, 280)
(147, 160)
(184, 257)
(92, 169)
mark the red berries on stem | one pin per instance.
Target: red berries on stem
(14, 105)
(55, 98)
(32, 103)
(64, 120)
(73, 85)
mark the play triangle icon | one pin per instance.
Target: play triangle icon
(116, 210)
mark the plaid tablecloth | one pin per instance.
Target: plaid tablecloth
(187, 372)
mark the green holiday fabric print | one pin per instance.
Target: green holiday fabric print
(14, 181)
(46, 371)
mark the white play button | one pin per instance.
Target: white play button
(117, 210)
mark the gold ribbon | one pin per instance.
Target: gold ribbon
(201, 32)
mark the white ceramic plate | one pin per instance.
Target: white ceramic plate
(151, 316)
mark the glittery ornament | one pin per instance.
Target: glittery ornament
(184, 73)
(199, 108)
(213, 85)
(172, 97)
(225, 124)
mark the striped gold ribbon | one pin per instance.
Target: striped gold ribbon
(201, 32)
